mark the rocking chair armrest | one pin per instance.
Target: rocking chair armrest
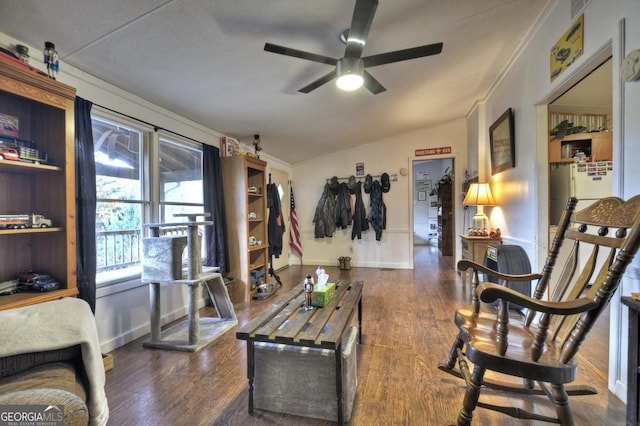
(490, 292)
(463, 265)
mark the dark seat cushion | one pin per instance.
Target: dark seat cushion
(18, 363)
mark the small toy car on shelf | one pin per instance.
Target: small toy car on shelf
(9, 154)
(31, 281)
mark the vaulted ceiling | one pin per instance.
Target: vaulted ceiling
(205, 60)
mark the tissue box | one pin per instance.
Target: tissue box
(324, 296)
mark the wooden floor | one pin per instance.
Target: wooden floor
(407, 329)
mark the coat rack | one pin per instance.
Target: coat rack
(392, 178)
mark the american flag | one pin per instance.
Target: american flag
(294, 237)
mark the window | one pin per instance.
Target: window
(180, 178)
(141, 177)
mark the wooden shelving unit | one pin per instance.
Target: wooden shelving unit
(45, 110)
(245, 192)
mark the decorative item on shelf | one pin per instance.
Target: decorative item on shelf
(229, 146)
(22, 221)
(31, 281)
(479, 194)
(256, 145)
(51, 59)
(26, 149)
(23, 53)
(9, 125)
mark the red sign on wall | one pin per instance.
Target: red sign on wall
(433, 151)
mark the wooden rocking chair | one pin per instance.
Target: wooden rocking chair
(541, 348)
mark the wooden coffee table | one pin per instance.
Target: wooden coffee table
(287, 322)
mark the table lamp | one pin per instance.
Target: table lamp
(479, 194)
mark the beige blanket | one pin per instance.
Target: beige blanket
(55, 325)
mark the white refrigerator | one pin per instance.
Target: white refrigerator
(590, 182)
(585, 181)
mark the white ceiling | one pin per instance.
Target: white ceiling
(204, 60)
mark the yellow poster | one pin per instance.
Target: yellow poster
(567, 49)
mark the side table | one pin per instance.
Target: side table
(474, 248)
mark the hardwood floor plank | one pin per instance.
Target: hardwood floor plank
(408, 329)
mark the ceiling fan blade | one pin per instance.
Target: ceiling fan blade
(319, 82)
(402, 55)
(363, 13)
(274, 48)
(372, 84)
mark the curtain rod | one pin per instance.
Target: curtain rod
(155, 128)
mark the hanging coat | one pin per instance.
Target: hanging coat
(378, 217)
(324, 217)
(275, 225)
(344, 211)
(359, 216)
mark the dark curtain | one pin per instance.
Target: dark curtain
(216, 234)
(85, 203)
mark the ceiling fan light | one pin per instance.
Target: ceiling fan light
(349, 71)
(349, 82)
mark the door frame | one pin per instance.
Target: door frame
(413, 160)
(617, 360)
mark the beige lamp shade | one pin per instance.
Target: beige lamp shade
(479, 194)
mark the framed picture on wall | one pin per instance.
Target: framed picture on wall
(422, 195)
(502, 140)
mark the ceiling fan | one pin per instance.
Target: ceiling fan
(350, 69)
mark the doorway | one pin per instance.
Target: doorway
(433, 218)
(579, 119)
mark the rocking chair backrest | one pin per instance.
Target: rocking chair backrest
(609, 231)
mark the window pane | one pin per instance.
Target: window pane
(118, 236)
(180, 173)
(117, 155)
(119, 189)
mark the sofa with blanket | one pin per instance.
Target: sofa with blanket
(50, 356)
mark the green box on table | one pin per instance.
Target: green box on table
(323, 297)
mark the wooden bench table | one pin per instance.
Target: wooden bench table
(287, 322)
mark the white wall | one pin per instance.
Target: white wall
(389, 155)
(521, 192)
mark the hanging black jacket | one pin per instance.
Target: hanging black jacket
(360, 215)
(343, 207)
(378, 217)
(324, 218)
(276, 221)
